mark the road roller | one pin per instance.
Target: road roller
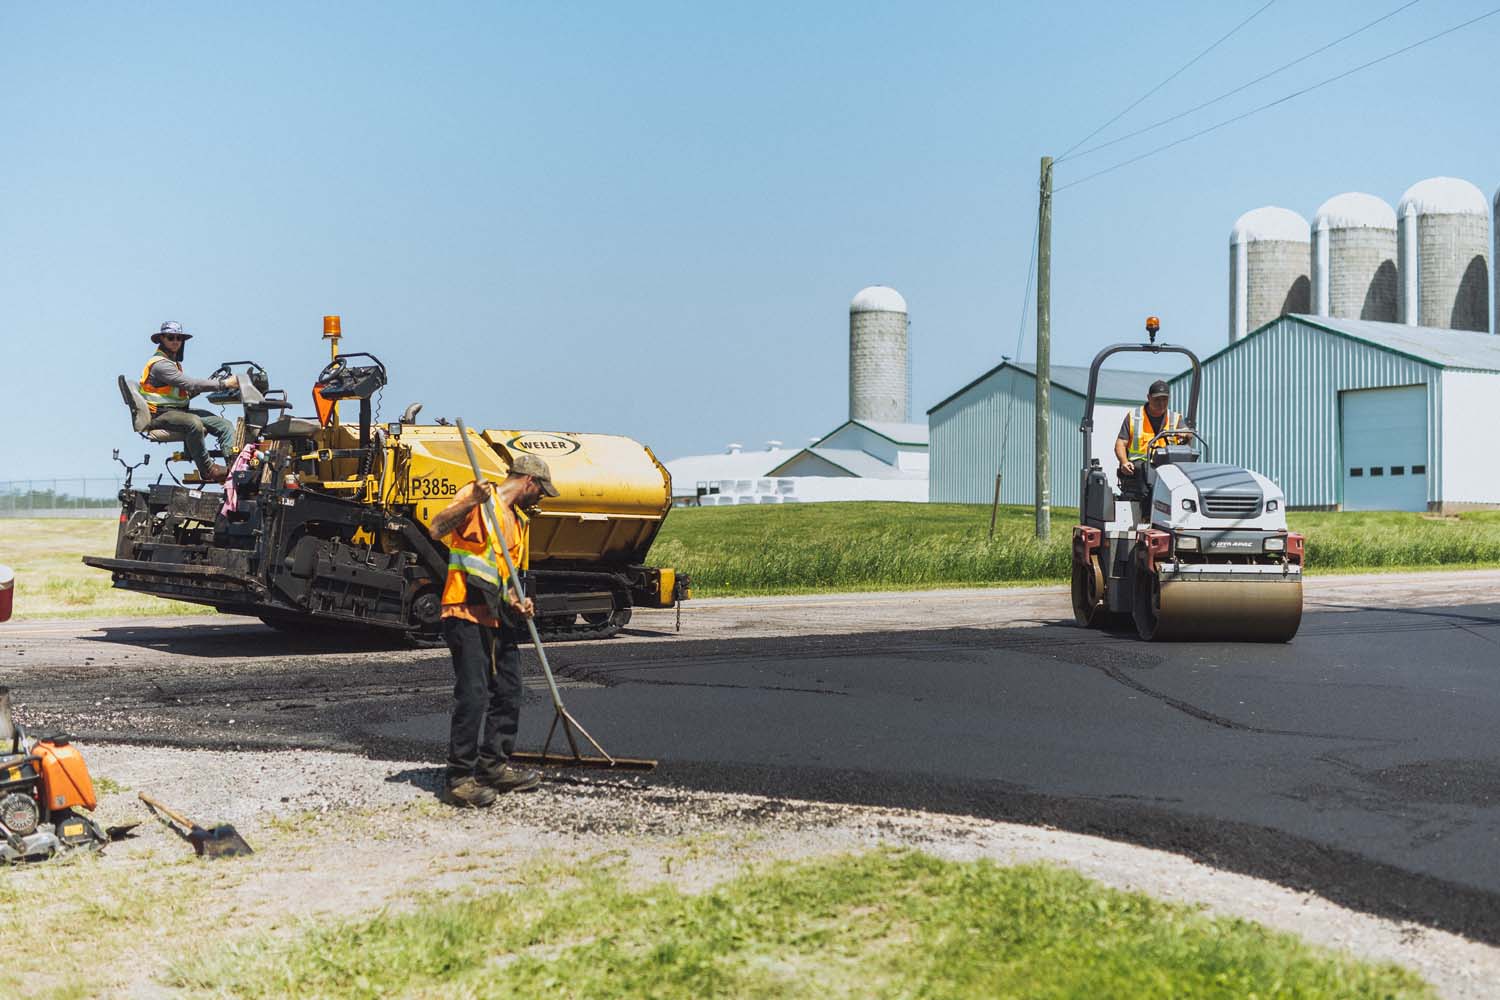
(1184, 548)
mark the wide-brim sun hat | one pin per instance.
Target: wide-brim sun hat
(171, 326)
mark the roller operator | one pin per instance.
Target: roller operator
(168, 390)
(1141, 425)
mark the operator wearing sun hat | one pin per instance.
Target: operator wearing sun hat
(1144, 423)
(168, 389)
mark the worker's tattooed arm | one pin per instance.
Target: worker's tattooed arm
(451, 516)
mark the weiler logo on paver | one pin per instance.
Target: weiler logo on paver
(544, 444)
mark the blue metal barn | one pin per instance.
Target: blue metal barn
(1348, 414)
(1343, 414)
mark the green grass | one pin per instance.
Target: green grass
(802, 548)
(796, 548)
(51, 582)
(1385, 540)
(884, 924)
(94, 918)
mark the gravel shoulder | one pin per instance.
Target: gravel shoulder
(339, 835)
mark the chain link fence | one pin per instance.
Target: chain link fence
(83, 497)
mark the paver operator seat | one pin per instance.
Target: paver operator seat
(140, 415)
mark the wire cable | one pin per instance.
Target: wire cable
(1183, 69)
(1242, 87)
(1010, 404)
(1280, 100)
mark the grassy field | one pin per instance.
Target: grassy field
(799, 548)
(52, 583)
(882, 924)
(873, 546)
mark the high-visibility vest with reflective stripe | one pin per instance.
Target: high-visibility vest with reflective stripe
(160, 396)
(1141, 435)
(473, 576)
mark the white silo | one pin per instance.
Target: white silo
(879, 382)
(1268, 268)
(1495, 263)
(1444, 255)
(1354, 258)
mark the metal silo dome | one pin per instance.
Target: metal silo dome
(1268, 268)
(1354, 258)
(879, 376)
(1443, 242)
(877, 298)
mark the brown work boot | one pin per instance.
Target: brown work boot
(506, 778)
(466, 793)
(216, 474)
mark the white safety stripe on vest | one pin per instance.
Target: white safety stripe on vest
(162, 396)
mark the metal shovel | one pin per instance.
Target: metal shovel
(218, 841)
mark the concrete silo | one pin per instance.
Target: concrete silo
(879, 382)
(1354, 258)
(1268, 268)
(1495, 262)
(1444, 255)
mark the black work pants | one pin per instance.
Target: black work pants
(486, 696)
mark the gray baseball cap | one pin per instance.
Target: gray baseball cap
(530, 465)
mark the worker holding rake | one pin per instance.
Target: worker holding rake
(486, 660)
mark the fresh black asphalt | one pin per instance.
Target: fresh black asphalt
(1359, 761)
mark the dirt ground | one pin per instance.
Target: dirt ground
(337, 836)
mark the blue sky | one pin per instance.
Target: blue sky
(649, 218)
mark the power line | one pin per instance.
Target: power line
(1184, 68)
(1020, 334)
(1244, 86)
(1280, 100)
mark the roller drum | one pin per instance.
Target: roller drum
(1227, 606)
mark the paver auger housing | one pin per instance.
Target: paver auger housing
(1186, 549)
(328, 521)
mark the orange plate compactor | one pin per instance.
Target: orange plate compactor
(45, 794)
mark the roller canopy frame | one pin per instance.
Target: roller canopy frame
(1190, 419)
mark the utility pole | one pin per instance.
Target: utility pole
(1044, 355)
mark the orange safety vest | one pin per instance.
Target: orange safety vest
(161, 396)
(476, 573)
(1139, 435)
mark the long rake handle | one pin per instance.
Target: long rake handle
(515, 584)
